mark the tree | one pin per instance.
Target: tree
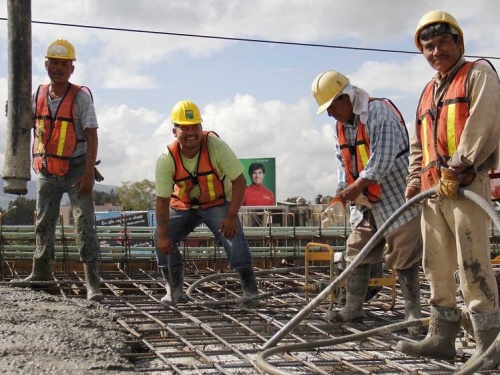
(101, 198)
(21, 212)
(137, 196)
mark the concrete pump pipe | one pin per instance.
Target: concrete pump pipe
(16, 170)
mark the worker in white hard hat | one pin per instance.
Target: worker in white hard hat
(64, 155)
(199, 180)
(455, 144)
(372, 145)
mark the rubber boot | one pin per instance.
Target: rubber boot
(410, 288)
(486, 329)
(440, 340)
(92, 281)
(248, 282)
(376, 271)
(174, 280)
(466, 322)
(356, 288)
(41, 271)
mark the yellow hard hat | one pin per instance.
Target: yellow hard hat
(436, 16)
(186, 112)
(326, 87)
(61, 49)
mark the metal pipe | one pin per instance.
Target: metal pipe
(16, 171)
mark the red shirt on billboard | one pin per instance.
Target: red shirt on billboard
(257, 194)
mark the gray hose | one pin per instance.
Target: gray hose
(287, 328)
(262, 356)
(274, 293)
(492, 352)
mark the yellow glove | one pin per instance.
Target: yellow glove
(448, 184)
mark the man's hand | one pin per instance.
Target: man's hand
(448, 184)
(165, 245)
(333, 213)
(411, 191)
(85, 184)
(229, 227)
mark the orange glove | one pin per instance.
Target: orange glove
(448, 184)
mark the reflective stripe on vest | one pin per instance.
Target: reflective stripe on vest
(362, 152)
(440, 127)
(211, 186)
(55, 137)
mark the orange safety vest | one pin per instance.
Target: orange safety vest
(361, 152)
(54, 140)
(440, 128)
(211, 186)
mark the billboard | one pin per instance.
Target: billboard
(260, 175)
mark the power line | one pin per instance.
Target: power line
(251, 40)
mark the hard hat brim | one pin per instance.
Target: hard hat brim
(187, 123)
(323, 107)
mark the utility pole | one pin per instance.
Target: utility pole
(16, 170)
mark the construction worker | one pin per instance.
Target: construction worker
(455, 144)
(199, 180)
(372, 152)
(64, 154)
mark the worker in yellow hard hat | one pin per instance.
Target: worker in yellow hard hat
(455, 144)
(372, 147)
(199, 180)
(64, 155)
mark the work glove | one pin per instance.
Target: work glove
(362, 200)
(97, 175)
(333, 213)
(448, 184)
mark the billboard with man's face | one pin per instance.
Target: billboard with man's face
(260, 175)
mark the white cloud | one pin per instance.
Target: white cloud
(255, 95)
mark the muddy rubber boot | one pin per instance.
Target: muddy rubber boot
(410, 288)
(376, 271)
(440, 340)
(466, 322)
(41, 271)
(356, 288)
(92, 282)
(174, 281)
(248, 282)
(486, 328)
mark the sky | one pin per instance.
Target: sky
(255, 95)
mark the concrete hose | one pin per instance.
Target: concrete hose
(491, 352)
(362, 254)
(243, 300)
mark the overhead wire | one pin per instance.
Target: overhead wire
(236, 39)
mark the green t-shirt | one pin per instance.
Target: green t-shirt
(222, 158)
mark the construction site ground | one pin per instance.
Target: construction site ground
(53, 329)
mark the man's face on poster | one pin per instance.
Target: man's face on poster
(258, 176)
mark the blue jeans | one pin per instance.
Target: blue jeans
(183, 222)
(50, 191)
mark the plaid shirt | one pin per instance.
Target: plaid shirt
(387, 140)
